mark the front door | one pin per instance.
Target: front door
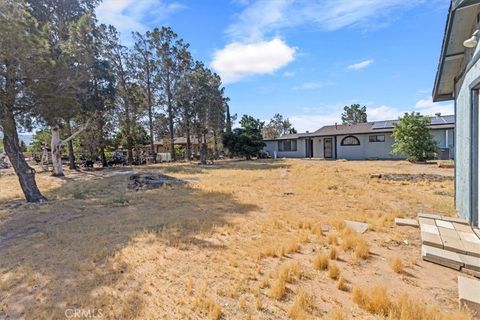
(308, 148)
(327, 148)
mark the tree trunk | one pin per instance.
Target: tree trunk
(25, 174)
(100, 124)
(188, 151)
(71, 155)
(229, 120)
(215, 143)
(56, 147)
(203, 152)
(170, 119)
(150, 116)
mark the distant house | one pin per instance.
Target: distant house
(163, 145)
(371, 140)
(458, 78)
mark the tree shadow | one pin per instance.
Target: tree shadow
(73, 251)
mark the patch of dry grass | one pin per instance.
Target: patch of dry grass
(396, 264)
(336, 314)
(303, 306)
(375, 299)
(333, 271)
(320, 262)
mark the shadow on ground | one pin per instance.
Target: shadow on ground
(68, 253)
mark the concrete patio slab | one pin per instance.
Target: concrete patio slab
(406, 222)
(444, 224)
(429, 215)
(469, 294)
(427, 221)
(429, 228)
(472, 248)
(470, 262)
(477, 232)
(452, 244)
(469, 236)
(454, 219)
(462, 227)
(359, 227)
(442, 257)
(451, 233)
(432, 239)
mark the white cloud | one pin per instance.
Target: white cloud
(262, 17)
(314, 118)
(131, 15)
(239, 60)
(312, 85)
(427, 107)
(360, 65)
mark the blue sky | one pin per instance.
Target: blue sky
(306, 59)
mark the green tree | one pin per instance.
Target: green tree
(246, 141)
(413, 139)
(278, 126)
(354, 114)
(24, 61)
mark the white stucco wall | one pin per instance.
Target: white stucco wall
(272, 146)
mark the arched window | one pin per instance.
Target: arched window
(350, 141)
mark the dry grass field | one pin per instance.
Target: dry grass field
(243, 240)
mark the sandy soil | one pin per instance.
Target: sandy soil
(216, 248)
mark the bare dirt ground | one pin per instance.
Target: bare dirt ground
(241, 240)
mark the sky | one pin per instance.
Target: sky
(306, 59)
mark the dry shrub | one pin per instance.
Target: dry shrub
(375, 300)
(320, 262)
(302, 306)
(189, 286)
(336, 314)
(397, 265)
(333, 271)
(406, 308)
(333, 253)
(332, 238)
(258, 303)
(342, 284)
(338, 224)
(361, 249)
(349, 238)
(286, 274)
(292, 247)
(214, 310)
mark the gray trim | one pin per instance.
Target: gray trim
(474, 160)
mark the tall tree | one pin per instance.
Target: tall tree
(23, 62)
(143, 61)
(354, 114)
(413, 138)
(118, 56)
(172, 52)
(246, 141)
(278, 126)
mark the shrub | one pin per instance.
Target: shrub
(333, 271)
(302, 306)
(320, 262)
(333, 253)
(397, 265)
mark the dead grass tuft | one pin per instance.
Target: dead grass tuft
(396, 264)
(375, 300)
(333, 253)
(303, 306)
(336, 314)
(342, 284)
(332, 239)
(362, 250)
(321, 261)
(333, 271)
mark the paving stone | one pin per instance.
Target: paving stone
(429, 215)
(462, 227)
(477, 232)
(454, 219)
(427, 221)
(442, 257)
(359, 227)
(469, 294)
(469, 236)
(444, 224)
(451, 233)
(472, 273)
(429, 228)
(452, 244)
(432, 239)
(470, 262)
(472, 248)
(406, 222)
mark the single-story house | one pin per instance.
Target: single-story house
(458, 78)
(163, 145)
(370, 140)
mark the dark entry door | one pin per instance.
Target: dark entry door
(327, 148)
(309, 148)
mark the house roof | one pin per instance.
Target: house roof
(436, 122)
(461, 21)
